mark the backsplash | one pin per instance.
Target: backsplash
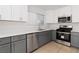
(55, 26)
(22, 27)
(16, 27)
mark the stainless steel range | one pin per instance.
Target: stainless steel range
(63, 34)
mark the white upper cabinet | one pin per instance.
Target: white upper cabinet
(50, 17)
(14, 12)
(19, 12)
(65, 11)
(25, 13)
(75, 13)
(5, 12)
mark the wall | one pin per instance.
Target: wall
(49, 16)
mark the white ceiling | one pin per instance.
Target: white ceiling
(48, 7)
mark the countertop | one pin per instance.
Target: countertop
(75, 31)
(2, 35)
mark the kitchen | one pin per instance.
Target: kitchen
(33, 28)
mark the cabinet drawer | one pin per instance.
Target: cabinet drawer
(18, 37)
(75, 41)
(19, 46)
(75, 33)
(4, 40)
(5, 48)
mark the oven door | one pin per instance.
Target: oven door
(63, 36)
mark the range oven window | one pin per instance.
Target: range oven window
(63, 36)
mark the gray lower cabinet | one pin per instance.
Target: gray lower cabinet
(44, 37)
(18, 37)
(32, 43)
(5, 45)
(18, 44)
(75, 39)
(4, 40)
(54, 35)
(5, 48)
(24, 43)
(49, 35)
(15, 44)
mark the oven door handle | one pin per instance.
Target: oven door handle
(63, 32)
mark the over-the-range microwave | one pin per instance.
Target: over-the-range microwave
(64, 19)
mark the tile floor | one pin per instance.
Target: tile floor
(53, 47)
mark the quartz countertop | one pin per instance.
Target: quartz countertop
(2, 35)
(74, 31)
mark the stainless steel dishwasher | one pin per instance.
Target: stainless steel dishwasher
(32, 42)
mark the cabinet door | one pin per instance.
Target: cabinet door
(41, 39)
(49, 35)
(16, 12)
(19, 12)
(46, 36)
(75, 13)
(19, 46)
(64, 11)
(75, 39)
(54, 35)
(51, 17)
(5, 48)
(24, 13)
(5, 12)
